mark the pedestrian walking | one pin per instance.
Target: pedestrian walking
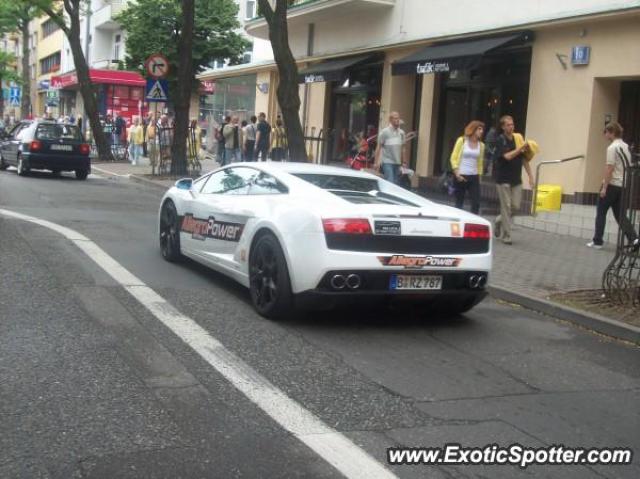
(221, 141)
(152, 140)
(263, 138)
(278, 142)
(510, 152)
(618, 155)
(390, 151)
(231, 133)
(467, 161)
(136, 139)
(249, 139)
(119, 130)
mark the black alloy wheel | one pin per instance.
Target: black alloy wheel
(82, 174)
(270, 286)
(22, 167)
(170, 232)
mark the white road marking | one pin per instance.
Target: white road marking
(333, 446)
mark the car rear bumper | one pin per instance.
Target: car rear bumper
(48, 161)
(457, 287)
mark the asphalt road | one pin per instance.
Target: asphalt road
(93, 385)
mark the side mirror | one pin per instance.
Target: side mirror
(184, 184)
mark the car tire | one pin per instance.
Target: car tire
(22, 168)
(3, 165)
(269, 281)
(170, 232)
(82, 174)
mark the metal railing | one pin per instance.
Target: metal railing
(621, 279)
(537, 180)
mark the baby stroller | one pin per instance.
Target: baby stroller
(361, 153)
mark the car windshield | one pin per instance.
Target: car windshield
(57, 132)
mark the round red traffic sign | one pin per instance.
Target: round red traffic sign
(157, 65)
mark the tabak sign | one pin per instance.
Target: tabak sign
(432, 67)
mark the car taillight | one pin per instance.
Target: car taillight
(355, 226)
(472, 230)
(35, 145)
(85, 149)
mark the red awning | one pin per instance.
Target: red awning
(111, 77)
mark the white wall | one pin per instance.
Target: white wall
(412, 20)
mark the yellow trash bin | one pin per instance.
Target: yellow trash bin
(549, 198)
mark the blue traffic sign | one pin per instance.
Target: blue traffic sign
(15, 93)
(157, 90)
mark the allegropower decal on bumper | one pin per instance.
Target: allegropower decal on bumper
(419, 261)
(202, 229)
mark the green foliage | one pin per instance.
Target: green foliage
(154, 26)
(8, 71)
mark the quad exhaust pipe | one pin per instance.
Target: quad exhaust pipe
(351, 281)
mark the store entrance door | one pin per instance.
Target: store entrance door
(629, 113)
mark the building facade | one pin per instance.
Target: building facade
(119, 92)
(561, 69)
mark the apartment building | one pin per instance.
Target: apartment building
(119, 92)
(49, 42)
(561, 69)
(10, 44)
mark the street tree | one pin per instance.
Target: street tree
(66, 14)
(275, 13)
(191, 34)
(8, 74)
(15, 17)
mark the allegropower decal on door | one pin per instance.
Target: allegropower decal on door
(202, 229)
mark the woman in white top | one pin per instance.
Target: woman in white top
(467, 161)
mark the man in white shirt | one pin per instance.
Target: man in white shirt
(618, 154)
(249, 142)
(390, 152)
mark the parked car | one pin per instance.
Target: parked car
(45, 145)
(308, 235)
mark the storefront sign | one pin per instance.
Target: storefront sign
(43, 85)
(63, 81)
(314, 78)
(431, 67)
(580, 55)
(207, 87)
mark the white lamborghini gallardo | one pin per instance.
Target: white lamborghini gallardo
(298, 234)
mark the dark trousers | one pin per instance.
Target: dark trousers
(261, 149)
(472, 185)
(612, 200)
(249, 154)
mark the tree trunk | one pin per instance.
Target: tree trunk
(288, 93)
(86, 90)
(25, 103)
(2, 103)
(183, 90)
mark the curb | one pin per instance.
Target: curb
(136, 178)
(601, 324)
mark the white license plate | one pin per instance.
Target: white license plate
(415, 282)
(62, 147)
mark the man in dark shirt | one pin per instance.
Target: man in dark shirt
(263, 137)
(509, 160)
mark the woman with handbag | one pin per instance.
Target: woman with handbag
(467, 161)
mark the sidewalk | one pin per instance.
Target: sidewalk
(538, 265)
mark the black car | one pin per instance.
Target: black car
(45, 145)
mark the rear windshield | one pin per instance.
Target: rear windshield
(339, 182)
(57, 132)
(354, 189)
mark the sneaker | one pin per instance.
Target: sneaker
(591, 244)
(507, 241)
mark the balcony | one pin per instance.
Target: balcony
(103, 18)
(303, 12)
